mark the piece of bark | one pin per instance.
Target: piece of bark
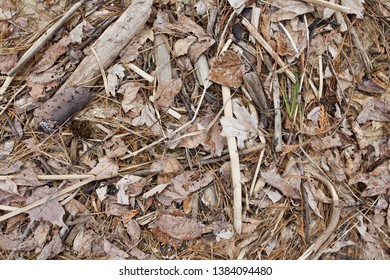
(107, 49)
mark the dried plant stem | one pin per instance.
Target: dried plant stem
(43, 200)
(54, 177)
(268, 48)
(140, 72)
(234, 164)
(278, 117)
(334, 219)
(330, 5)
(39, 44)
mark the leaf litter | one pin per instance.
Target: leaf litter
(152, 169)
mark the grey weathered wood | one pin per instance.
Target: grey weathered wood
(107, 48)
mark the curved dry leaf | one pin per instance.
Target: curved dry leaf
(273, 178)
(377, 181)
(166, 166)
(355, 6)
(191, 181)
(177, 227)
(8, 167)
(166, 92)
(148, 118)
(182, 46)
(375, 110)
(116, 73)
(228, 69)
(7, 62)
(157, 189)
(50, 211)
(289, 9)
(52, 249)
(106, 168)
(9, 186)
(131, 100)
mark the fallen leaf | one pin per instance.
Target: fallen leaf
(166, 92)
(52, 249)
(6, 147)
(191, 181)
(106, 168)
(179, 227)
(157, 189)
(9, 186)
(8, 167)
(377, 181)
(289, 9)
(272, 178)
(356, 7)
(132, 103)
(115, 148)
(148, 118)
(166, 166)
(182, 46)
(237, 5)
(50, 211)
(326, 143)
(129, 185)
(243, 127)
(7, 62)
(372, 87)
(228, 69)
(375, 110)
(115, 75)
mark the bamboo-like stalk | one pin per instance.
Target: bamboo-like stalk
(234, 164)
(278, 118)
(140, 72)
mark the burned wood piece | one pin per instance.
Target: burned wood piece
(61, 107)
(256, 91)
(70, 97)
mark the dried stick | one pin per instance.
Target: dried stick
(43, 200)
(39, 44)
(54, 177)
(268, 48)
(140, 72)
(234, 165)
(278, 118)
(334, 219)
(330, 5)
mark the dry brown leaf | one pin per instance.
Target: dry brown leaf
(356, 7)
(28, 177)
(166, 166)
(289, 9)
(133, 230)
(179, 227)
(243, 126)
(51, 249)
(115, 75)
(375, 110)
(6, 147)
(50, 211)
(182, 46)
(377, 181)
(166, 92)
(148, 118)
(129, 185)
(9, 186)
(272, 178)
(8, 167)
(106, 168)
(115, 148)
(82, 244)
(214, 142)
(157, 189)
(197, 131)
(371, 86)
(326, 143)
(228, 69)
(191, 181)
(132, 103)
(249, 225)
(311, 199)
(7, 62)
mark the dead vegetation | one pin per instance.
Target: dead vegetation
(207, 129)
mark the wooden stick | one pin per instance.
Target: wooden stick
(140, 72)
(54, 177)
(268, 48)
(43, 200)
(278, 118)
(39, 44)
(234, 165)
(330, 5)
